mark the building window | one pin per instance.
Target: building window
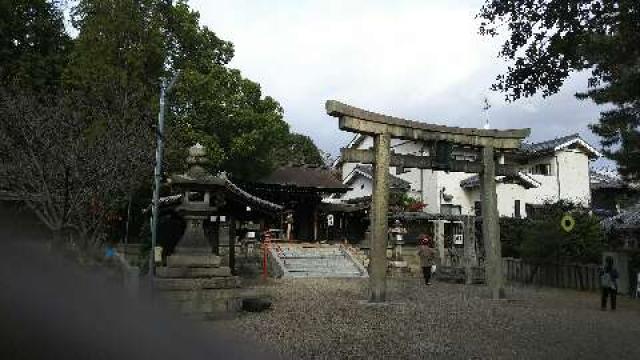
(534, 211)
(465, 157)
(477, 208)
(541, 169)
(516, 208)
(448, 209)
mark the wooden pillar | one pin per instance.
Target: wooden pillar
(438, 237)
(232, 245)
(315, 225)
(379, 222)
(490, 225)
(469, 248)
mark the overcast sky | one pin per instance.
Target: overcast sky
(417, 59)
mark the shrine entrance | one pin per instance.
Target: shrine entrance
(440, 140)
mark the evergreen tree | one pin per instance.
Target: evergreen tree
(549, 39)
(33, 44)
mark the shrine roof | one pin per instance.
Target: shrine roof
(304, 177)
(219, 182)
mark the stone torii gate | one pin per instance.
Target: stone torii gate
(382, 128)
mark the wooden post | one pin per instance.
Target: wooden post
(469, 248)
(490, 225)
(438, 235)
(232, 245)
(315, 225)
(379, 222)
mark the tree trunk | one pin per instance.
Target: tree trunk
(56, 240)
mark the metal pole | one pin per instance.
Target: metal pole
(157, 175)
(126, 233)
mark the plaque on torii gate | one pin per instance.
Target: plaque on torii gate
(382, 128)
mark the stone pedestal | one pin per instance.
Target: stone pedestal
(198, 284)
(194, 239)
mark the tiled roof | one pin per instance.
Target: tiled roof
(522, 178)
(604, 180)
(221, 181)
(394, 181)
(628, 219)
(555, 144)
(304, 177)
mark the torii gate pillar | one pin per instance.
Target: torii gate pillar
(379, 222)
(490, 225)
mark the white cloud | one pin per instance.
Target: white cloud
(417, 59)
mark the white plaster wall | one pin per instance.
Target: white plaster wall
(361, 186)
(423, 182)
(574, 176)
(507, 194)
(430, 191)
(347, 168)
(451, 183)
(367, 143)
(569, 168)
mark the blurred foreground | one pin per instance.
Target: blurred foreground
(53, 308)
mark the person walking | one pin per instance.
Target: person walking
(427, 254)
(609, 283)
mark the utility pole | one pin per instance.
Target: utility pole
(157, 173)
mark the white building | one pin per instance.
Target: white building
(552, 170)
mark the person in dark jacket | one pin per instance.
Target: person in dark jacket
(428, 255)
(609, 283)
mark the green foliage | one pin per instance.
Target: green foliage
(511, 235)
(549, 39)
(33, 44)
(117, 59)
(297, 149)
(542, 238)
(408, 203)
(92, 118)
(124, 48)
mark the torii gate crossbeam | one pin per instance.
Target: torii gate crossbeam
(383, 128)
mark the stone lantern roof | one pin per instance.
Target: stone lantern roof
(197, 176)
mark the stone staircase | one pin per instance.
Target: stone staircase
(312, 260)
(199, 286)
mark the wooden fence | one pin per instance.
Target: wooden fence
(569, 276)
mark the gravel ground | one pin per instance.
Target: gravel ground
(329, 319)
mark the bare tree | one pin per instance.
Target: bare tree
(74, 169)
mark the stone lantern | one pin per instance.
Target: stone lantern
(397, 233)
(198, 201)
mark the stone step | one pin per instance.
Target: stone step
(311, 253)
(327, 275)
(189, 260)
(316, 263)
(194, 284)
(316, 267)
(326, 272)
(325, 261)
(192, 272)
(307, 258)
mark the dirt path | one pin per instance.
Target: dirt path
(328, 319)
